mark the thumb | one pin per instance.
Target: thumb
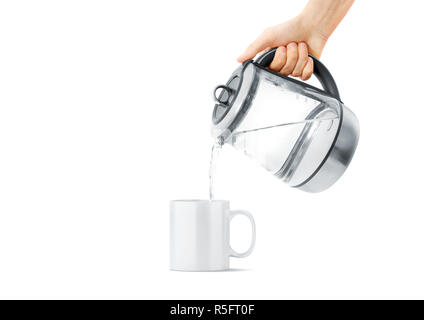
(264, 41)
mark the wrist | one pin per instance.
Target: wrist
(314, 24)
(313, 36)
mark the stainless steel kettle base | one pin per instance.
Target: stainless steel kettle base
(338, 157)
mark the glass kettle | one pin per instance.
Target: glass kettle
(303, 135)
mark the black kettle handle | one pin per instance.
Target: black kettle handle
(320, 71)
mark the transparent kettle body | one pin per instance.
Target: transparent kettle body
(286, 126)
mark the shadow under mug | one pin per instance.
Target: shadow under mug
(200, 235)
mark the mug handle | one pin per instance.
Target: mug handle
(233, 253)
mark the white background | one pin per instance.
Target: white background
(105, 111)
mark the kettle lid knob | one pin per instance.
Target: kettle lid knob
(222, 94)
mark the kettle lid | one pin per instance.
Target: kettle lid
(233, 99)
(225, 98)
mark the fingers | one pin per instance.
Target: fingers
(265, 40)
(308, 70)
(293, 60)
(279, 59)
(292, 55)
(302, 59)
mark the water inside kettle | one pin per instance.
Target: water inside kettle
(291, 151)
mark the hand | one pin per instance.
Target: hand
(294, 39)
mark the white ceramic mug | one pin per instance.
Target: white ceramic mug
(200, 235)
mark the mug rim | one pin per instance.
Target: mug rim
(198, 200)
